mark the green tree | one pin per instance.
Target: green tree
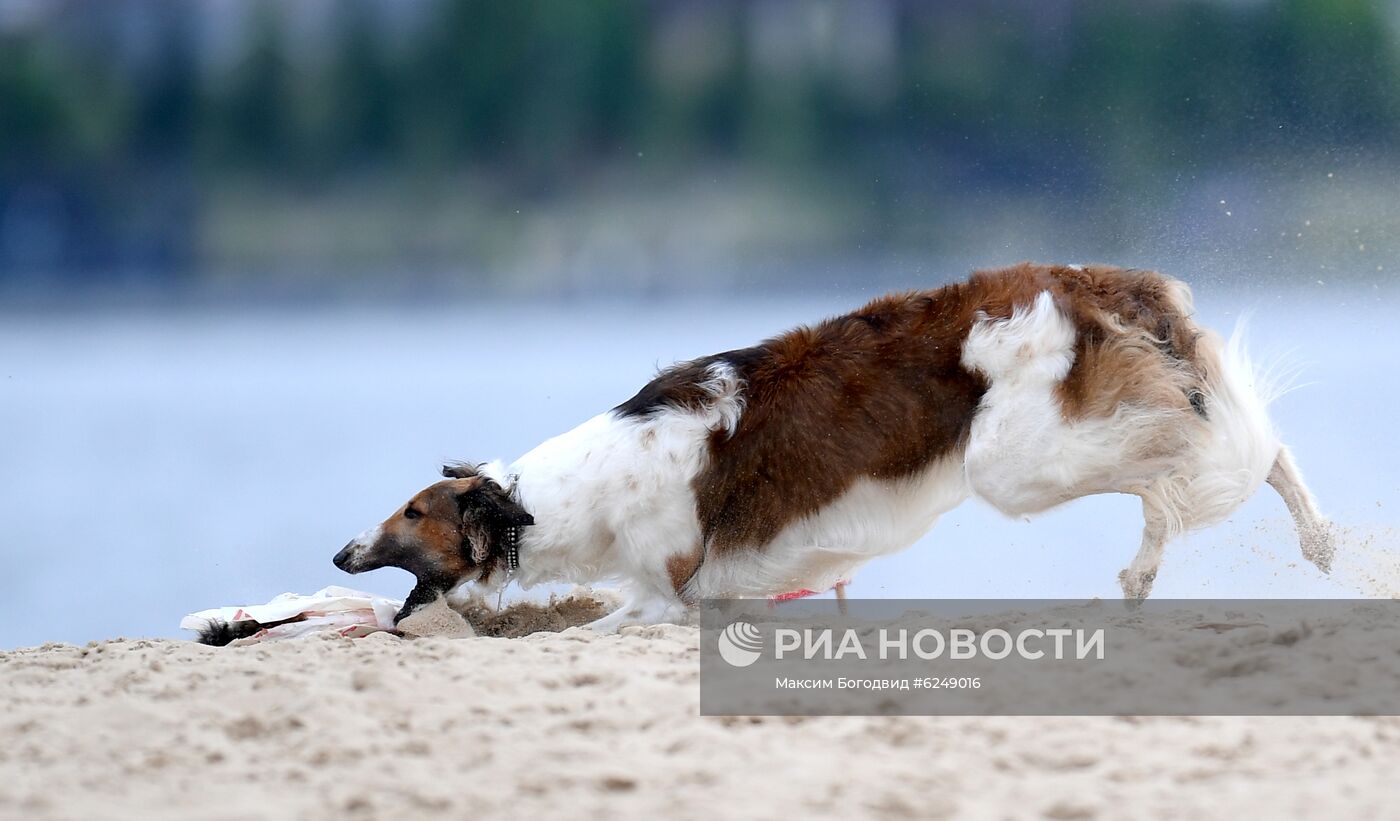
(256, 128)
(365, 91)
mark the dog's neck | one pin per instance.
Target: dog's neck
(497, 472)
(532, 555)
(581, 487)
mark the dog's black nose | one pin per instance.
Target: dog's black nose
(344, 556)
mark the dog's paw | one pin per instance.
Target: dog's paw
(1136, 586)
(1319, 544)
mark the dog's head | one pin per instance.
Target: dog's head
(450, 532)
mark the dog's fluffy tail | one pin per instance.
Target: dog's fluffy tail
(1240, 393)
(1238, 443)
(1244, 451)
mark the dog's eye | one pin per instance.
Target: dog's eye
(410, 513)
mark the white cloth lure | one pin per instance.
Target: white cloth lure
(352, 613)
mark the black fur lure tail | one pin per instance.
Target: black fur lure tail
(217, 632)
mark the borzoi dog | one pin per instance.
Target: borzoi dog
(789, 464)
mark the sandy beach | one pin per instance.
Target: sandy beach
(597, 726)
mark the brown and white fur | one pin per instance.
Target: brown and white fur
(789, 464)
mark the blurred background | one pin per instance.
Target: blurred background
(263, 264)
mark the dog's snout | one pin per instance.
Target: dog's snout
(358, 554)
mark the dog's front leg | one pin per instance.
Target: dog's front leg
(641, 609)
(419, 596)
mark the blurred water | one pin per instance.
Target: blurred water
(159, 463)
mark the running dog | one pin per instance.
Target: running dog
(789, 464)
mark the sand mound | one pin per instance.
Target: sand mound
(513, 621)
(436, 619)
(525, 618)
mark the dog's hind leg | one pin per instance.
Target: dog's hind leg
(1314, 531)
(1137, 578)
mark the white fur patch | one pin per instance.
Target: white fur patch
(612, 499)
(1035, 344)
(1021, 454)
(363, 542)
(368, 537)
(727, 399)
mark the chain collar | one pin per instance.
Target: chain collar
(512, 534)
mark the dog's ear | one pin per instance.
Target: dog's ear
(459, 470)
(487, 510)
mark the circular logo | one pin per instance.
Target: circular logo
(740, 644)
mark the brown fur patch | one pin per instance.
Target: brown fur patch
(1135, 342)
(681, 567)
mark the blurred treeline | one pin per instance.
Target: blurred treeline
(172, 138)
